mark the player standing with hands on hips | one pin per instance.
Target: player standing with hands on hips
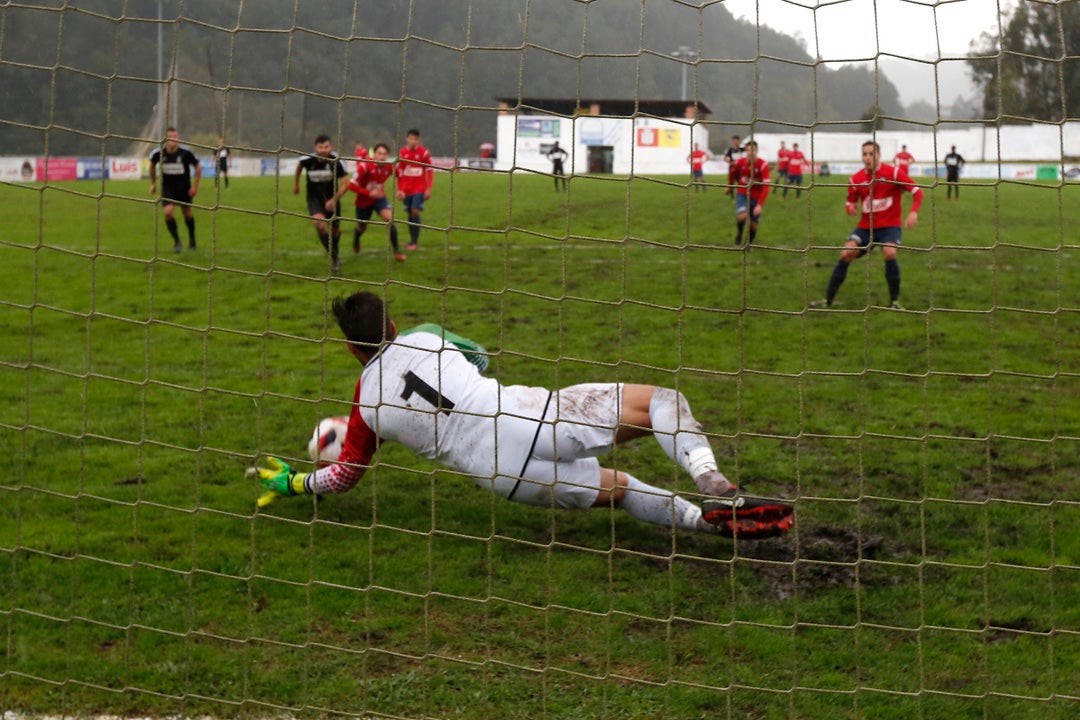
(876, 191)
(954, 161)
(558, 156)
(415, 177)
(423, 388)
(797, 162)
(697, 159)
(177, 187)
(223, 154)
(904, 160)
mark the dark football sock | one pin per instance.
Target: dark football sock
(892, 277)
(839, 273)
(171, 225)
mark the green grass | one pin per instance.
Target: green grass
(933, 454)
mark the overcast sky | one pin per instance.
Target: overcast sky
(850, 29)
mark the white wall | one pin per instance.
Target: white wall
(1013, 143)
(643, 146)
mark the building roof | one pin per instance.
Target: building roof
(608, 107)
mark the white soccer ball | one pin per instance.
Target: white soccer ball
(327, 440)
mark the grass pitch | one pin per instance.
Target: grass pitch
(933, 454)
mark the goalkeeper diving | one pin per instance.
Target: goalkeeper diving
(423, 388)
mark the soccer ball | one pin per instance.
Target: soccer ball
(327, 440)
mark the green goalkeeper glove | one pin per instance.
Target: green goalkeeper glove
(277, 478)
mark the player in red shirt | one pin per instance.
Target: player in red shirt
(749, 176)
(904, 159)
(369, 183)
(797, 163)
(697, 160)
(414, 179)
(876, 191)
(782, 157)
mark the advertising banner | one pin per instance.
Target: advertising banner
(57, 168)
(125, 168)
(1046, 172)
(18, 169)
(90, 168)
(648, 137)
(538, 127)
(670, 137)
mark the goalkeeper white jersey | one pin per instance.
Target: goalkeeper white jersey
(422, 392)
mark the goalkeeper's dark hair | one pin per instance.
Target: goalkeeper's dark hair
(363, 319)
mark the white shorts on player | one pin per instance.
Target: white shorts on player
(425, 391)
(527, 444)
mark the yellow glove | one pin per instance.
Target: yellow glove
(277, 478)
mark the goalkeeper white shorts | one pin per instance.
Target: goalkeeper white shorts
(553, 463)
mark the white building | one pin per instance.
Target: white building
(654, 137)
(641, 137)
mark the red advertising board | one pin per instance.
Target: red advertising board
(57, 168)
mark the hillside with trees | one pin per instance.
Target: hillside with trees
(1031, 72)
(271, 75)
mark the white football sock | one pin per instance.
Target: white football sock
(659, 507)
(678, 433)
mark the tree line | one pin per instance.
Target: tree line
(1030, 71)
(269, 76)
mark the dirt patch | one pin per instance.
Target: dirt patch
(810, 560)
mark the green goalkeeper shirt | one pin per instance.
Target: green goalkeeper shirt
(474, 352)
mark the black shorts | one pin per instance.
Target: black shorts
(317, 206)
(172, 196)
(952, 175)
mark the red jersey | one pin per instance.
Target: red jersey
(878, 195)
(750, 176)
(903, 160)
(697, 160)
(783, 155)
(369, 176)
(413, 170)
(361, 442)
(796, 162)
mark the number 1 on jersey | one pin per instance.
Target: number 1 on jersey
(413, 384)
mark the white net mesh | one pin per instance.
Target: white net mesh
(932, 453)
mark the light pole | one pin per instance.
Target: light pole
(159, 130)
(689, 55)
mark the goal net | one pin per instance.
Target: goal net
(924, 424)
